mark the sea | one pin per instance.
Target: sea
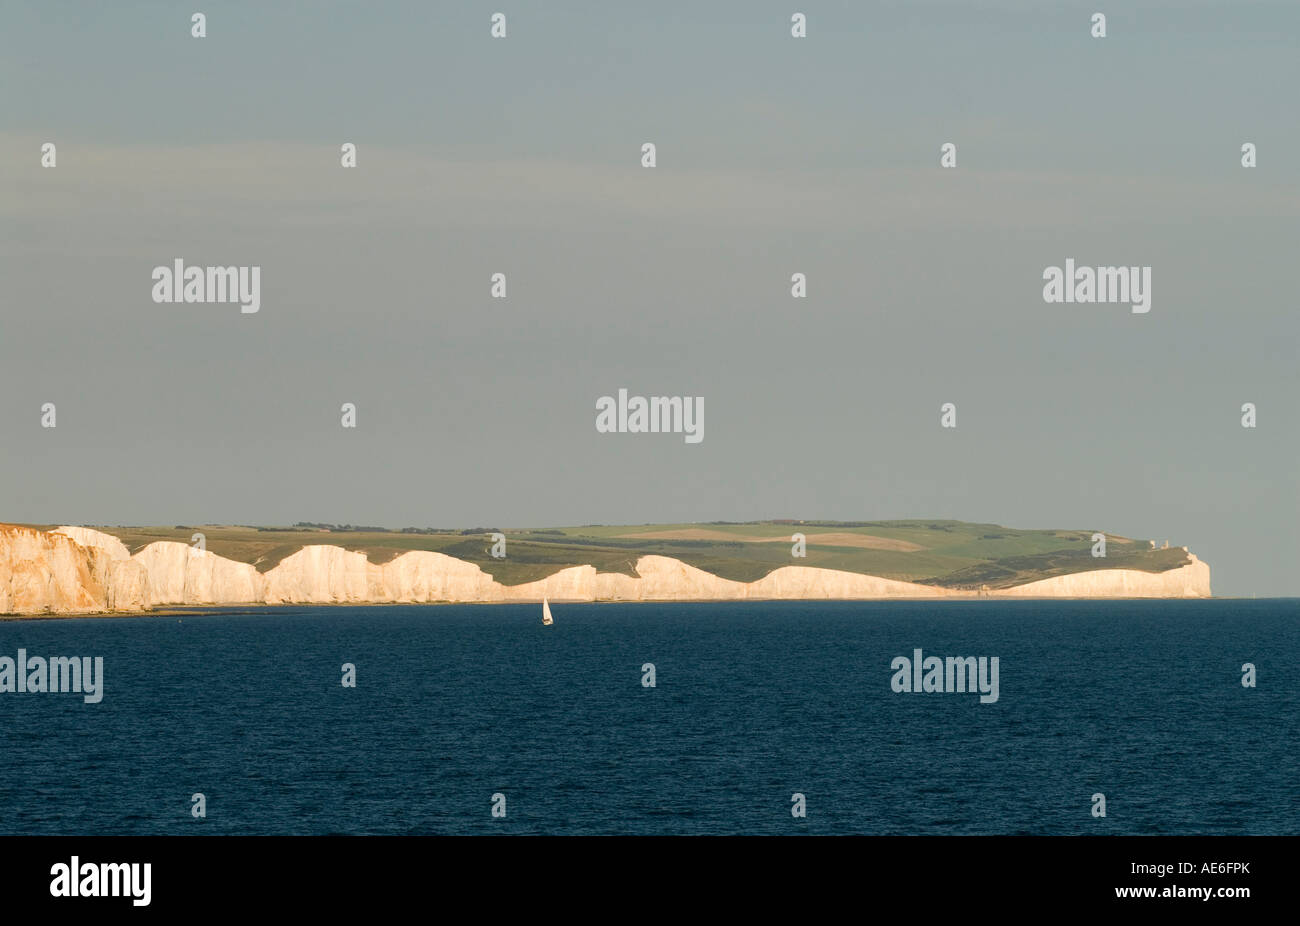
(662, 718)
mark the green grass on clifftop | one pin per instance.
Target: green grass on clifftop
(951, 554)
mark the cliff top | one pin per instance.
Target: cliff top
(949, 554)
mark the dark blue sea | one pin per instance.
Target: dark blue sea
(753, 702)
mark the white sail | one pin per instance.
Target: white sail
(546, 612)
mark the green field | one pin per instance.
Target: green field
(952, 554)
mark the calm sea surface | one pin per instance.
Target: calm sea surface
(1140, 701)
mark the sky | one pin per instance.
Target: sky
(775, 156)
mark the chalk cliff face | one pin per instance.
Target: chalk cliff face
(1190, 581)
(79, 570)
(42, 571)
(88, 537)
(127, 584)
(179, 574)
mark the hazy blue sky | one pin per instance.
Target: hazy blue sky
(775, 155)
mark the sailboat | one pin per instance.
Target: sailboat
(546, 613)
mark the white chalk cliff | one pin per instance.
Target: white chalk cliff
(79, 570)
